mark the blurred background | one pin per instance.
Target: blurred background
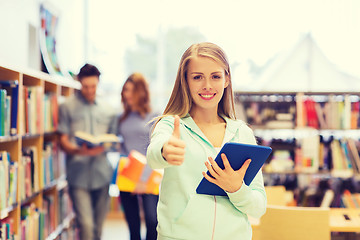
(121, 37)
(294, 64)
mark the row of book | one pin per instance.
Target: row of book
(53, 167)
(319, 112)
(65, 206)
(40, 110)
(30, 179)
(351, 200)
(341, 157)
(333, 114)
(31, 223)
(313, 154)
(29, 173)
(49, 209)
(39, 223)
(267, 114)
(8, 180)
(53, 162)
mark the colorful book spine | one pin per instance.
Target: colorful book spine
(2, 111)
(12, 88)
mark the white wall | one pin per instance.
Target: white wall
(15, 43)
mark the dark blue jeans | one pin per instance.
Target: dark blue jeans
(130, 203)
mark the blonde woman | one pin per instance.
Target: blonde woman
(198, 119)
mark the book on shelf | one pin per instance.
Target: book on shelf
(13, 184)
(31, 222)
(7, 229)
(311, 115)
(12, 89)
(133, 170)
(354, 155)
(308, 159)
(346, 120)
(350, 200)
(33, 109)
(30, 171)
(341, 166)
(50, 163)
(64, 205)
(8, 180)
(300, 110)
(4, 180)
(49, 210)
(354, 116)
(320, 116)
(280, 162)
(50, 112)
(108, 141)
(4, 109)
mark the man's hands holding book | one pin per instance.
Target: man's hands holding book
(85, 151)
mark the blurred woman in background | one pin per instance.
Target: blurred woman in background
(133, 126)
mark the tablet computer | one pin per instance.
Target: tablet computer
(237, 154)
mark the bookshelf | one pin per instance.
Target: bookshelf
(34, 201)
(315, 139)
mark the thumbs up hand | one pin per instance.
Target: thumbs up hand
(173, 150)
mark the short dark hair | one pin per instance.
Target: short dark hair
(88, 70)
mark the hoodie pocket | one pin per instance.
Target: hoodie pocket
(196, 219)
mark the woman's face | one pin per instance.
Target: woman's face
(207, 81)
(128, 94)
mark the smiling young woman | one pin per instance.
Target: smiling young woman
(198, 120)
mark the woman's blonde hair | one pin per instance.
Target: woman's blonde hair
(180, 101)
(141, 95)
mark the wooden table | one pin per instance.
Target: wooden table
(344, 220)
(341, 220)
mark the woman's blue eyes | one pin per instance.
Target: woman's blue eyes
(198, 77)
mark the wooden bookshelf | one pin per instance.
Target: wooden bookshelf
(51, 189)
(289, 121)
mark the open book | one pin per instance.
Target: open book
(105, 140)
(133, 170)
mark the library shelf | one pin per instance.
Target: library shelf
(61, 227)
(29, 151)
(315, 138)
